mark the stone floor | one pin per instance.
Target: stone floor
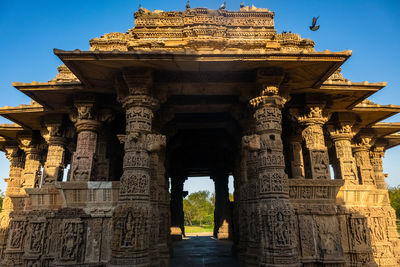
(205, 251)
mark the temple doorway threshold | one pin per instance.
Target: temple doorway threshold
(199, 250)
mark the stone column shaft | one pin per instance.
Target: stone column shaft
(131, 218)
(17, 164)
(278, 238)
(361, 154)
(87, 127)
(162, 199)
(345, 167)
(31, 173)
(375, 155)
(14, 199)
(54, 166)
(296, 161)
(222, 212)
(177, 215)
(316, 153)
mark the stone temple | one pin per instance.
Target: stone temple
(198, 93)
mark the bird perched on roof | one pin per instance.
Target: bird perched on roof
(314, 27)
(188, 4)
(223, 6)
(141, 10)
(241, 4)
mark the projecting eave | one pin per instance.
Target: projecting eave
(382, 129)
(392, 140)
(346, 95)
(51, 95)
(10, 131)
(370, 114)
(98, 69)
(28, 116)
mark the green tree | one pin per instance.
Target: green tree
(394, 195)
(198, 208)
(189, 211)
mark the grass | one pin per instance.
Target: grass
(198, 229)
(398, 226)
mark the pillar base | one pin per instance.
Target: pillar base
(176, 234)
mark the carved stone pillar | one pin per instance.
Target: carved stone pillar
(315, 151)
(14, 199)
(31, 174)
(375, 155)
(17, 163)
(101, 170)
(54, 167)
(250, 212)
(276, 215)
(131, 218)
(243, 219)
(344, 162)
(161, 200)
(361, 150)
(177, 215)
(296, 156)
(87, 126)
(222, 218)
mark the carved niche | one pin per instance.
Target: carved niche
(72, 239)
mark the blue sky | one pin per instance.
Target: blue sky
(30, 30)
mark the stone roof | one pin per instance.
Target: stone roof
(199, 29)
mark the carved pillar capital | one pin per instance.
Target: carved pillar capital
(11, 151)
(362, 143)
(31, 145)
(340, 131)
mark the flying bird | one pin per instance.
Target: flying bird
(241, 5)
(188, 4)
(314, 27)
(223, 6)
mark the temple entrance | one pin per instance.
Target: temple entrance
(202, 147)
